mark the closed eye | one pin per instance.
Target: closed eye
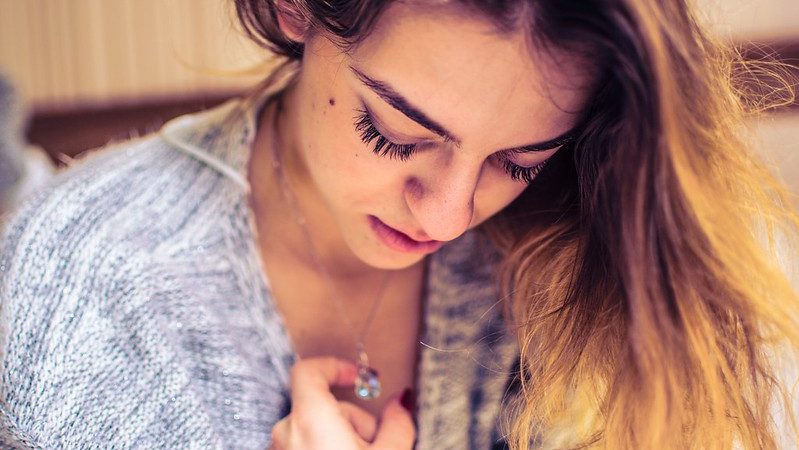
(385, 147)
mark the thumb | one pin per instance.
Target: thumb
(396, 430)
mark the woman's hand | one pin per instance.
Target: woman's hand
(318, 421)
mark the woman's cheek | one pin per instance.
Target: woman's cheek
(494, 191)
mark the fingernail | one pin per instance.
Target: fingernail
(408, 400)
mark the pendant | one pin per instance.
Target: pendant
(367, 385)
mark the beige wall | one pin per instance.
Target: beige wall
(777, 138)
(758, 20)
(63, 53)
(776, 135)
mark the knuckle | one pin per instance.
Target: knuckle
(277, 441)
(303, 420)
(297, 370)
(298, 366)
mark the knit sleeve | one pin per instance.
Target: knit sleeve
(84, 360)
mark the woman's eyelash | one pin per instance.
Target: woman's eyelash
(519, 173)
(365, 126)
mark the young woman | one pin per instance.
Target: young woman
(411, 171)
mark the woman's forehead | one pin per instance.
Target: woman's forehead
(466, 75)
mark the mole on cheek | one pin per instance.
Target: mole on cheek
(332, 101)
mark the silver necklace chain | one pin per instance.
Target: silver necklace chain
(290, 198)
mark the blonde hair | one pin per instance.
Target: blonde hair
(651, 306)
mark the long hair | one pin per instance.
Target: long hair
(643, 265)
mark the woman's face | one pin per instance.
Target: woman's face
(450, 105)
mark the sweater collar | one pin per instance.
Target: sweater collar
(222, 137)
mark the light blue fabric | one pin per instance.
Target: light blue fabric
(135, 312)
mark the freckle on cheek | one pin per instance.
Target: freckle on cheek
(332, 101)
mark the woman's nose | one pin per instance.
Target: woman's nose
(442, 201)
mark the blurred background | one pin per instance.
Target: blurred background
(92, 71)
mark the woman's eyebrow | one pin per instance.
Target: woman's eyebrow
(398, 102)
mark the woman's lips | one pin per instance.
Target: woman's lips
(400, 241)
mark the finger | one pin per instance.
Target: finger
(364, 423)
(280, 434)
(311, 379)
(396, 429)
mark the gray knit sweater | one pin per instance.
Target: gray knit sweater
(136, 314)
